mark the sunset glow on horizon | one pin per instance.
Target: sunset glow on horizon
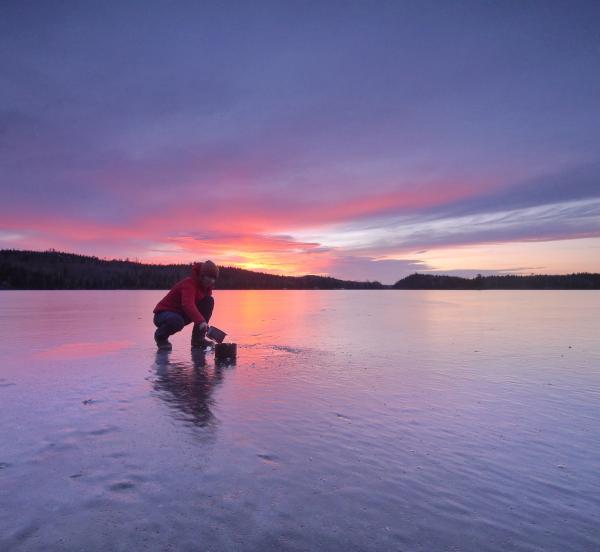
(362, 141)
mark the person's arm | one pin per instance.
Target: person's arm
(188, 303)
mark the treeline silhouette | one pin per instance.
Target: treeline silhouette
(583, 280)
(58, 270)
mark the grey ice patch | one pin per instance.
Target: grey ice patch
(271, 458)
(286, 348)
(122, 486)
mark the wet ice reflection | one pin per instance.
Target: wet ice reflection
(188, 387)
(80, 350)
(351, 421)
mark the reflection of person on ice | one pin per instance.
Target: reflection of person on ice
(188, 301)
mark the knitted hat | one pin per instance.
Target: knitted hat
(208, 268)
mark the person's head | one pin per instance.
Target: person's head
(207, 273)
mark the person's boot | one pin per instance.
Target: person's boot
(199, 340)
(201, 343)
(163, 343)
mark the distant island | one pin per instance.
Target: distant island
(582, 280)
(58, 270)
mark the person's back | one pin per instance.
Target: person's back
(182, 298)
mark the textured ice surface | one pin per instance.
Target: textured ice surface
(353, 420)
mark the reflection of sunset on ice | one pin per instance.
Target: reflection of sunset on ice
(80, 350)
(421, 413)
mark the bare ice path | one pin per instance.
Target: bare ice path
(353, 420)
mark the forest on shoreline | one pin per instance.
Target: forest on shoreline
(58, 270)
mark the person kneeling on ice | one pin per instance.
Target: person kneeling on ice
(189, 300)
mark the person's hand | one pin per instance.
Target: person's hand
(202, 327)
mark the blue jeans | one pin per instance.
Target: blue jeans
(168, 323)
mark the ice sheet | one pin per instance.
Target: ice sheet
(352, 420)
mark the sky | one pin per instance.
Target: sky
(363, 140)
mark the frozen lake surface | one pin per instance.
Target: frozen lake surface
(352, 421)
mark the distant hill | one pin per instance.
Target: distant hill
(583, 280)
(57, 270)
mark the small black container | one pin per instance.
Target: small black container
(225, 351)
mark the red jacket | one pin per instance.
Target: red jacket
(183, 296)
